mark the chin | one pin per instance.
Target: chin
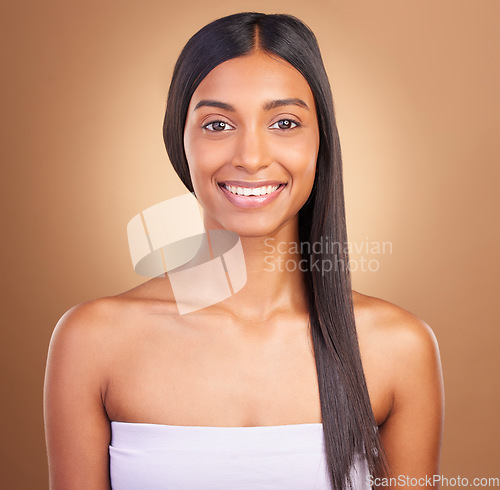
(254, 228)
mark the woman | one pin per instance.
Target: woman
(242, 394)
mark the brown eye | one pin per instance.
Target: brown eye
(217, 126)
(285, 124)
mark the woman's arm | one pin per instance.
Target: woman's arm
(77, 427)
(411, 434)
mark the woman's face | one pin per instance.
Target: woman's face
(251, 140)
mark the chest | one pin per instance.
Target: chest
(206, 379)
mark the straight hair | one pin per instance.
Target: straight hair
(349, 426)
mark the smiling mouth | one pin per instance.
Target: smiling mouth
(251, 191)
(251, 194)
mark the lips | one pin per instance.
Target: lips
(251, 191)
(251, 194)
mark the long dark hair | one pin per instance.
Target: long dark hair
(348, 422)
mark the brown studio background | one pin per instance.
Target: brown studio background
(416, 93)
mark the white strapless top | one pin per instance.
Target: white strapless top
(284, 457)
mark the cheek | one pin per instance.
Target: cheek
(299, 157)
(203, 159)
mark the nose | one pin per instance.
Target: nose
(251, 151)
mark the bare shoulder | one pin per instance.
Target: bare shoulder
(392, 330)
(399, 350)
(93, 328)
(84, 349)
(91, 321)
(81, 342)
(105, 315)
(402, 367)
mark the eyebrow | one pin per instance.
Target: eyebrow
(272, 104)
(214, 103)
(281, 102)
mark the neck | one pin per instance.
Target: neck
(275, 282)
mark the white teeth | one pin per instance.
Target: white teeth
(251, 191)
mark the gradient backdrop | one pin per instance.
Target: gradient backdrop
(416, 93)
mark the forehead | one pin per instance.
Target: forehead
(256, 77)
